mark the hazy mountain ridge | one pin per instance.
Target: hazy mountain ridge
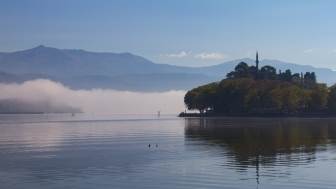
(122, 71)
(52, 61)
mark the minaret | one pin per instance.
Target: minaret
(257, 61)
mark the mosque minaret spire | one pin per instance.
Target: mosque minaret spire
(257, 61)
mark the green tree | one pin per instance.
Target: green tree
(309, 79)
(242, 92)
(332, 99)
(268, 72)
(319, 98)
(201, 98)
(242, 70)
(286, 76)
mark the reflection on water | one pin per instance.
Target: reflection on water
(255, 142)
(88, 151)
(265, 140)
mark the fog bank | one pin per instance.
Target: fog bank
(42, 91)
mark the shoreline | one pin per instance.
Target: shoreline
(250, 115)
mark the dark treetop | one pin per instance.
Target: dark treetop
(249, 90)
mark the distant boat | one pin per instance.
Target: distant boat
(158, 113)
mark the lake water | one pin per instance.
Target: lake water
(104, 151)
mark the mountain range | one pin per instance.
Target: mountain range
(80, 69)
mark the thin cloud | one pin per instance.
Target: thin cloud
(203, 55)
(308, 51)
(211, 56)
(181, 54)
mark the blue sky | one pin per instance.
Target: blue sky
(181, 32)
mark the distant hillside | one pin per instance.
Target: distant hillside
(59, 62)
(325, 75)
(122, 71)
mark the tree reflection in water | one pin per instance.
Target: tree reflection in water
(255, 142)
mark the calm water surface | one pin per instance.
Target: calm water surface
(104, 151)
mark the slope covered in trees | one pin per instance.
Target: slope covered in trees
(251, 91)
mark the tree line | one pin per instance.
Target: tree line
(249, 90)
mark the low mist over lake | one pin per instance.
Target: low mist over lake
(49, 96)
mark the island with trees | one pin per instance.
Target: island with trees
(253, 91)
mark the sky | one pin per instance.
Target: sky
(179, 32)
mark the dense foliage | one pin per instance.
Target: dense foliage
(250, 90)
